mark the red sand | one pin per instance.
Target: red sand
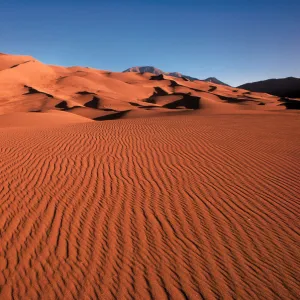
(160, 204)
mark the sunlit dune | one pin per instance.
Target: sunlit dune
(131, 186)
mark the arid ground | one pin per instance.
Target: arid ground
(134, 186)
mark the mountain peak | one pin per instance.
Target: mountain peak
(215, 80)
(156, 71)
(145, 69)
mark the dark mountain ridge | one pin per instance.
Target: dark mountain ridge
(282, 87)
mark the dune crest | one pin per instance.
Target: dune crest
(50, 85)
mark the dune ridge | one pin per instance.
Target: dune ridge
(28, 85)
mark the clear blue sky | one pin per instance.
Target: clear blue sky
(236, 41)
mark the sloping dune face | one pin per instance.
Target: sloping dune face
(28, 85)
(180, 207)
(135, 186)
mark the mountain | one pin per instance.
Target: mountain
(156, 71)
(145, 69)
(283, 87)
(215, 80)
(179, 75)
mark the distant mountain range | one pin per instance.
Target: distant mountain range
(156, 71)
(283, 87)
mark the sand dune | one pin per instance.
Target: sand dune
(58, 88)
(123, 187)
(48, 119)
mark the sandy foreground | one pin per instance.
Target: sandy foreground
(134, 186)
(189, 207)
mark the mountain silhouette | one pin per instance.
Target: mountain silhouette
(156, 71)
(283, 87)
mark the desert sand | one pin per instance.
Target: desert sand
(133, 186)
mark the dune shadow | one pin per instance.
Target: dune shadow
(187, 101)
(148, 107)
(32, 90)
(134, 104)
(195, 90)
(212, 88)
(290, 103)
(114, 116)
(232, 100)
(158, 91)
(107, 109)
(85, 93)
(62, 105)
(157, 77)
(173, 83)
(14, 66)
(94, 103)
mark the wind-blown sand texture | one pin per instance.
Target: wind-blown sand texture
(161, 203)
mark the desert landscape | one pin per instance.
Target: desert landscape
(143, 186)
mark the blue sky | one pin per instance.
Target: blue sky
(235, 41)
